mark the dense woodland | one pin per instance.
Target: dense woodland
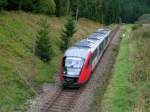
(104, 11)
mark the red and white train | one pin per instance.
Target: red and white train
(80, 60)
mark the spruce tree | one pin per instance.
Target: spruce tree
(67, 34)
(43, 45)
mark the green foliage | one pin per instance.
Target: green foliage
(43, 45)
(91, 9)
(67, 34)
(3, 3)
(45, 6)
(131, 10)
(105, 11)
(111, 11)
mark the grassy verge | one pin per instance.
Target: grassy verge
(17, 30)
(116, 96)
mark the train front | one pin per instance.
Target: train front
(72, 67)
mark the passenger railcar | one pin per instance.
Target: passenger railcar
(80, 60)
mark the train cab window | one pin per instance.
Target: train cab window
(73, 66)
(72, 62)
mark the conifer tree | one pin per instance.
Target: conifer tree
(43, 45)
(67, 34)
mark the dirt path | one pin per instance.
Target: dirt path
(84, 100)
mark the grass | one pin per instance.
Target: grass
(17, 30)
(116, 96)
(140, 74)
(129, 88)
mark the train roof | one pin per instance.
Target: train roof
(80, 49)
(77, 52)
(94, 38)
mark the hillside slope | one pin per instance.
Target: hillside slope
(17, 30)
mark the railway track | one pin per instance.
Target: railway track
(62, 101)
(65, 99)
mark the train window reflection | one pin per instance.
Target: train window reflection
(73, 62)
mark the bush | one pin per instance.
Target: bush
(43, 45)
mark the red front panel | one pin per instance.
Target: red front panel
(86, 70)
